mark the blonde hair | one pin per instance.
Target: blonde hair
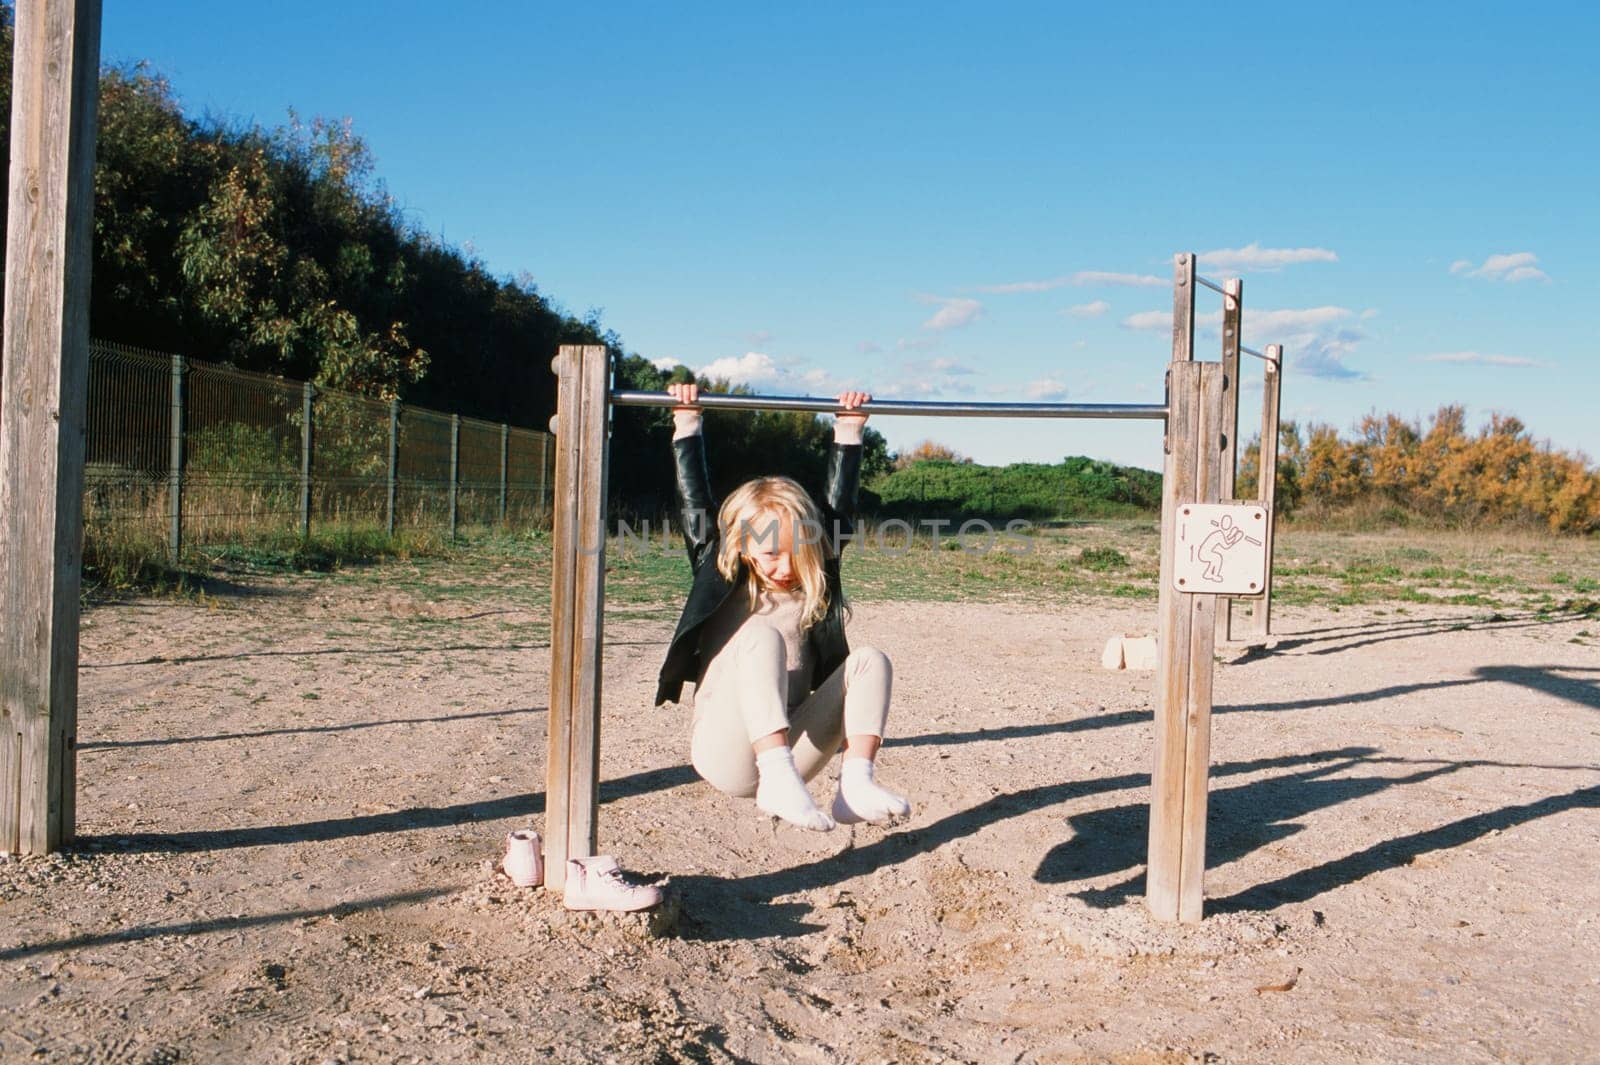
(760, 509)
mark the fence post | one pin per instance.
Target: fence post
(394, 463)
(505, 468)
(176, 461)
(577, 608)
(455, 470)
(308, 394)
(544, 470)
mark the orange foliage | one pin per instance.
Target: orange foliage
(1442, 472)
(929, 450)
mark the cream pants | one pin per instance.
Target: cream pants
(744, 696)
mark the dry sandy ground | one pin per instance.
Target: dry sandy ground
(289, 799)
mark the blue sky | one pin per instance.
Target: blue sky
(982, 201)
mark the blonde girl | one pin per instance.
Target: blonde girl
(777, 688)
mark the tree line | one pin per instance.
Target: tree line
(1394, 470)
(280, 250)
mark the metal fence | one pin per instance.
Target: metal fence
(188, 452)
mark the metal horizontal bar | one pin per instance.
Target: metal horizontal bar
(723, 401)
(1257, 354)
(1208, 283)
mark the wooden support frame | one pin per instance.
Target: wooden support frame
(577, 608)
(43, 396)
(1201, 416)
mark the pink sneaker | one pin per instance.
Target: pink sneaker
(597, 884)
(524, 862)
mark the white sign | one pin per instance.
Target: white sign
(1220, 549)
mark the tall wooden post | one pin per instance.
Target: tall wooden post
(577, 608)
(175, 461)
(394, 465)
(1232, 315)
(44, 381)
(1174, 879)
(1260, 627)
(308, 437)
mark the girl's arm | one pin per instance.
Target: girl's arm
(844, 469)
(696, 509)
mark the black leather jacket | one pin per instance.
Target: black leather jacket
(697, 516)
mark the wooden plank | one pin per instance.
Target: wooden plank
(1183, 307)
(563, 524)
(583, 796)
(44, 367)
(1202, 646)
(1267, 484)
(1232, 312)
(1164, 868)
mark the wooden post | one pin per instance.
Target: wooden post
(505, 468)
(394, 464)
(1174, 886)
(455, 472)
(1174, 877)
(44, 374)
(577, 608)
(175, 463)
(1232, 313)
(307, 442)
(1267, 485)
(1183, 307)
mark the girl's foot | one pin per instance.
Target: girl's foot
(861, 798)
(781, 792)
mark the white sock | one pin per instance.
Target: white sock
(781, 792)
(862, 798)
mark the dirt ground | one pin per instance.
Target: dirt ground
(291, 795)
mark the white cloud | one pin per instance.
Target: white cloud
(1102, 277)
(953, 313)
(1265, 325)
(1045, 390)
(1148, 320)
(751, 368)
(933, 367)
(1255, 257)
(1262, 326)
(1369, 314)
(1026, 286)
(1510, 267)
(1323, 354)
(1088, 310)
(867, 347)
(762, 372)
(667, 364)
(1480, 359)
(1316, 340)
